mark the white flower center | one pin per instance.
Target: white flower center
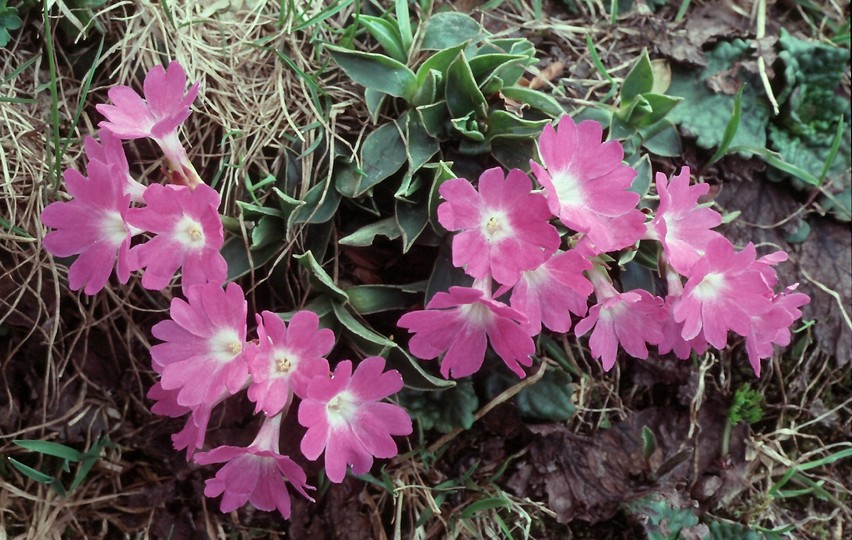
(710, 287)
(613, 311)
(496, 226)
(569, 192)
(283, 363)
(225, 345)
(113, 228)
(341, 408)
(189, 232)
(476, 314)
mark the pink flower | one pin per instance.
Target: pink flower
(587, 184)
(683, 227)
(773, 327)
(725, 290)
(550, 293)
(158, 116)
(630, 319)
(345, 418)
(203, 354)
(672, 335)
(93, 226)
(194, 431)
(287, 358)
(258, 474)
(188, 234)
(109, 151)
(461, 322)
(505, 228)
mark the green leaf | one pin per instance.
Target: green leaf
(242, 260)
(419, 145)
(383, 153)
(50, 449)
(660, 105)
(483, 66)
(411, 219)
(449, 29)
(268, 230)
(33, 474)
(434, 118)
(320, 205)
(639, 80)
(427, 91)
(507, 124)
(445, 410)
(644, 176)
(468, 126)
(730, 129)
(369, 299)
(484, 504)
(535, 99)
(442, 172)
(320, 277)
(439, 62)
(699, 113)
(514, 153)
(403, 23)
(776, 160)
(463, 94)
(649, 442)
(548, 399)
(374, 100)
(375, 71)
(357, 328)
(662, 139)
(413, 374)
(367, 234)
(387, 34)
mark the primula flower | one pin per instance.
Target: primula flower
(461, 322)
(158, 116)
(504, 227)
(287, 358)
(203, 354)
(773, 327)
(550, 293)
(109, 151)
(188, 234)
(93, 226)
(194, 431)
(345, 418)
(630, 319)
(672, 330)
(587, 184)
(258, 474)
(725, 290)
(683, 227)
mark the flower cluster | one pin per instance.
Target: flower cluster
(205, 354)
(505, 234)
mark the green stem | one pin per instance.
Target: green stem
(726, 437)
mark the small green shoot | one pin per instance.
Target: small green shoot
(745, 407)
(86, 460)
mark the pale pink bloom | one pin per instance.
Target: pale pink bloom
(287, 358)
(773, 327)
(258, 474)
(460, 323)
(550, 293)
(630, 319)
(93, 225)
(680, 224)
(504, 227)
(725, 290)
(587, 184)
(205, 340)
(111, 152)
(188, 234)
(345, 418)
(158, 116)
